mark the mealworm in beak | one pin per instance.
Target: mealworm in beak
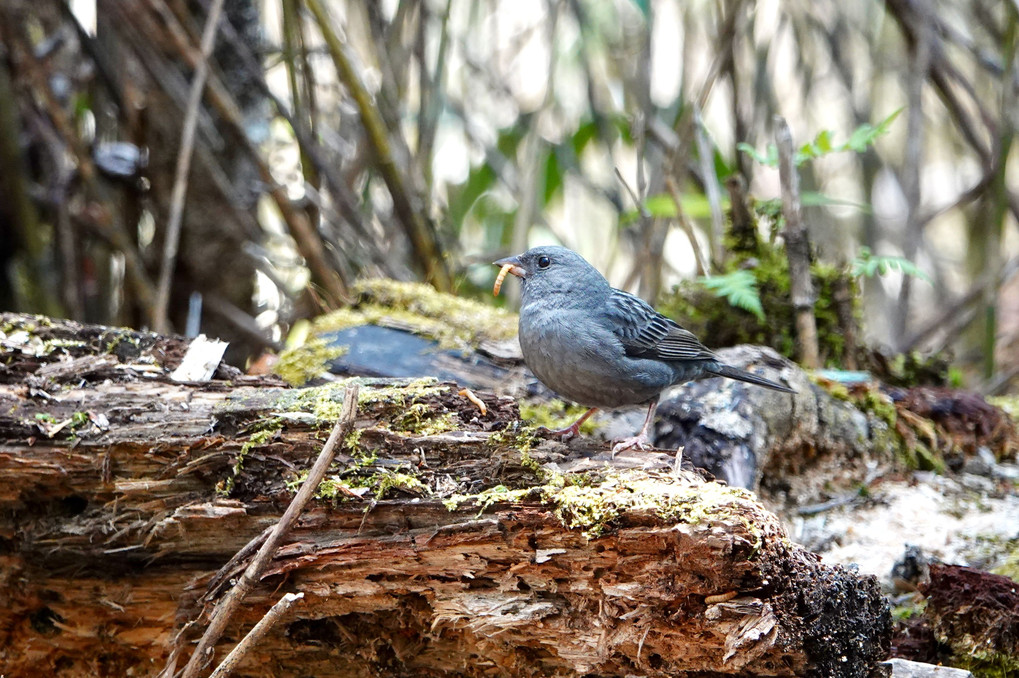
(499, 278)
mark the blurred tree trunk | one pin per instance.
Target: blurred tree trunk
(223, 180)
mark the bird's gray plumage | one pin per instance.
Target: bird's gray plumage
(600, 346)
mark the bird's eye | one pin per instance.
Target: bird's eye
(544, 262)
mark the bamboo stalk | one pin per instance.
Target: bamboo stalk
(420, 231)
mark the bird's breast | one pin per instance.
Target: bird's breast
(583, 360)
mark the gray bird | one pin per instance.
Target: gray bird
(602, 347)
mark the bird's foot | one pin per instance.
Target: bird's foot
(563, 434)
(637, 442)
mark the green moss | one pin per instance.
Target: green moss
(988, 664)
(594, 505)
(486, 498)
(914, 441)
(421, 419)
(516, 436)
(555, 414)
(338, 487)
(717, 322)
(455, 323)
(325, 402)
(1010, 568)
(300, 364)
(261, 432)
(907, 611)
(1008, 403)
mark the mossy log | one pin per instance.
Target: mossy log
(445, 542)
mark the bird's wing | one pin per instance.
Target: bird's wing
(646, 333)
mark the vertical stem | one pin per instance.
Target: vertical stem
(180, 179)
(913, 232)
(797, 245)
(1000, 196)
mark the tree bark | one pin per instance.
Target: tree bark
(453, 549)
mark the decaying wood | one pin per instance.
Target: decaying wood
(493, 561)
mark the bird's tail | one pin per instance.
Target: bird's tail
(742, 375)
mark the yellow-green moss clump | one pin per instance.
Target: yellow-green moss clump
(555, 414)
(1008, 403)
(378, 486)
(298, 365)
(324, 403)
(593, 505)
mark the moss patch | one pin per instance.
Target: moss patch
(720, 324)
(325, 402)
(261, 433)
(555, 414)
(594, 505)
(300, 364)
(452, 322)
(379, 485)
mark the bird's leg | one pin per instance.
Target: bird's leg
(573, 429)
(639, 441)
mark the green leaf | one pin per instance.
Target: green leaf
(865, 135)
(739, 288)
(661, 205)
(862, 137)
(462, 197)
(583, 136)
(771, 159)
(867, 265)
(553, 177)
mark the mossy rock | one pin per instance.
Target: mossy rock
(453, 323)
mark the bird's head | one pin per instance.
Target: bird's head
(550, 271)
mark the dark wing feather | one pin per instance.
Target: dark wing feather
(646, 333)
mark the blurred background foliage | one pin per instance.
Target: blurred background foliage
(422, 139)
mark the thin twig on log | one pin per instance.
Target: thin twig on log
(180, 178)
(249, 641)
(226, 607)
(797, 247)
(420, 232)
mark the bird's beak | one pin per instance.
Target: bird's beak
(516, 267)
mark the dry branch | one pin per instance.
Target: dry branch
(797, 245)
(180, 180)
(228, 605)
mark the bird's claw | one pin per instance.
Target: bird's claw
(638, 442)
(562, 434)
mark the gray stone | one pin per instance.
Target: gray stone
(903, 668)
